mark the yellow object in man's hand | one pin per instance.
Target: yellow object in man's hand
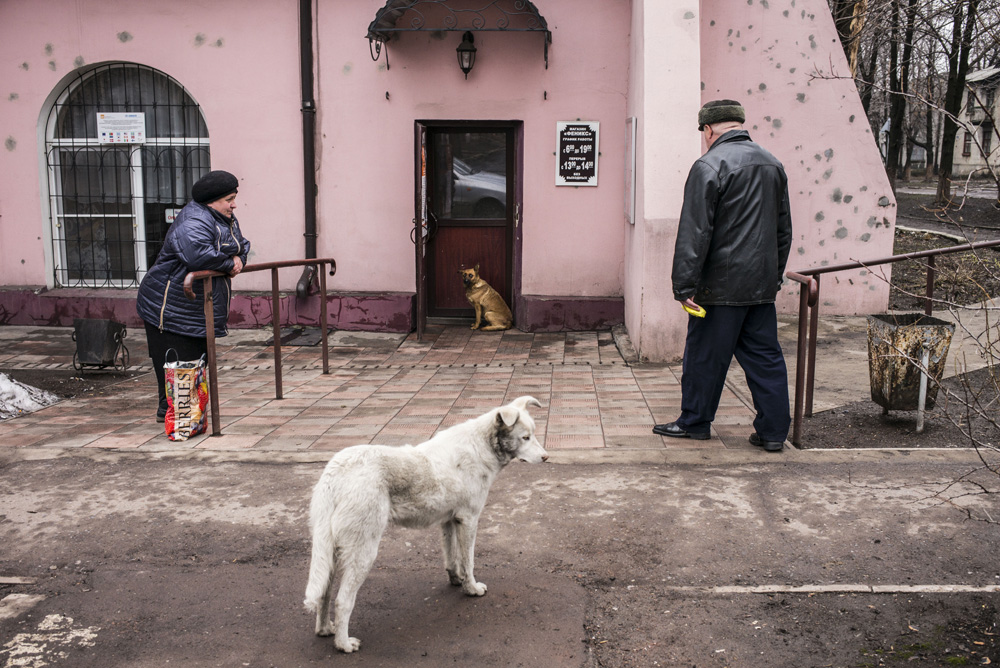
(698, 313)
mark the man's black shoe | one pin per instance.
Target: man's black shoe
(770, 446)
(673, 430)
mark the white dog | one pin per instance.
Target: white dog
(442, 481)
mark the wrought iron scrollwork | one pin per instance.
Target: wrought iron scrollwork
(444, 15)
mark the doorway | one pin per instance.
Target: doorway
(469, 207)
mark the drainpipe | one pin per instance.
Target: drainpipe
(308, 141)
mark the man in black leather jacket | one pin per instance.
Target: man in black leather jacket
(733, 239)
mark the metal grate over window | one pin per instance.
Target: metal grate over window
(111, 204)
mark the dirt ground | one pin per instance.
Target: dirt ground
(972, 213)
(962, 278)
(862, 424)
(70, 383)
(202, 562)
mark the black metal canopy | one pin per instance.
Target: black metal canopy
(398, 16)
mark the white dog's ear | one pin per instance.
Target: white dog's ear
(525, 401)
(508, 415)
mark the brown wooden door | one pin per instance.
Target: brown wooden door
(470, 204)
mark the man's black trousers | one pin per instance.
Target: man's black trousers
(751, 334)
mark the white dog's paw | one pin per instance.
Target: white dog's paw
(475, 589)
(348, 646)
(325, 630)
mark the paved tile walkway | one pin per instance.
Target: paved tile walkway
(381, 389)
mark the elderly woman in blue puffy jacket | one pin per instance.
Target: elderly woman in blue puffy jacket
(205, 235)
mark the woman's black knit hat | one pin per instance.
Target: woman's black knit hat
(720, 111)
(214, 185)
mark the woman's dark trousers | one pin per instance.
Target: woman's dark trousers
(189, 348)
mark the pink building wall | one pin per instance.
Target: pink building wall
(254, 123)
(609, 59)
(664, 93)
(367, 172)
(763, 53)
(766, 54)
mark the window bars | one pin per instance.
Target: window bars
(111, 204)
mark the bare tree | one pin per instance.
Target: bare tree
(964, 14)
(849, 16)
(948, 37)
(899, 84)
(928, 142)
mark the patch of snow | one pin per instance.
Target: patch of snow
(57, 638)
(18, 399)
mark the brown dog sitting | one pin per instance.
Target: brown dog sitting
(487, 302)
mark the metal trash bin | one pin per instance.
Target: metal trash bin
(99, 343)
(898, 346)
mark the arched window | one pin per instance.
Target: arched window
(124, 144)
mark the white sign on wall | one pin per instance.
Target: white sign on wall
(171, 215)
(577, 145)
(121, 128)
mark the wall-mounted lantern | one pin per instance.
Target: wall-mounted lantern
(466, 53)
(402, 16)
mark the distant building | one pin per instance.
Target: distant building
(918, 155)
(977, 141)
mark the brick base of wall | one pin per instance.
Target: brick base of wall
(354, 311)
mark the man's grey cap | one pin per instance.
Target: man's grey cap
(720, 111)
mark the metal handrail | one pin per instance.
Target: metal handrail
(206, 278)
(805, 355)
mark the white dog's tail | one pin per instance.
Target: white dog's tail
(322, 565)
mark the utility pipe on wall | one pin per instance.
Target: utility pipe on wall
(308, 141)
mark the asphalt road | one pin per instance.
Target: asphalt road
(200, 560)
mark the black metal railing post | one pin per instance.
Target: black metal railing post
(800, 359)
(322, 320)
(276, 328)
(811, 360)
(929, 298)
(213, 378)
